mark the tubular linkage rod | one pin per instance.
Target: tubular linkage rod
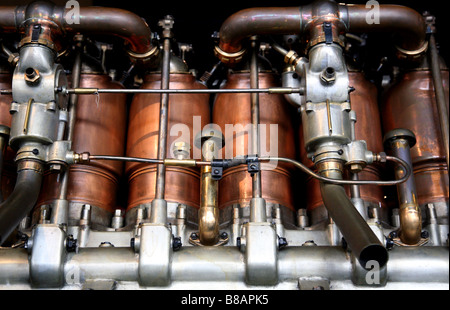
(96, 91)
(195, 163)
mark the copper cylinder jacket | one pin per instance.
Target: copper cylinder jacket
(411, 104)
(182, 184)
(236, 184)
(364, 101)
(99, 129)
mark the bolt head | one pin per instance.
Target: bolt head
(355, 168)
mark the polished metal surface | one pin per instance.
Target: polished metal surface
(268, 172)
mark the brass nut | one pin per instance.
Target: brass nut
(355, 168)
(32, 76)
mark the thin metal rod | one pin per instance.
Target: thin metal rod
(76, 76)
(255, 115)
(3, 144)
(297, 164)
(440, 96)
(96, 91)
(127, 159)
(305, 169)
(163, 122)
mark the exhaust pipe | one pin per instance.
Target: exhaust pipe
(22, 199)
(407, 25)
(55, 20)
(364, 244)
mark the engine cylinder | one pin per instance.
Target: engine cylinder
(188, 113)
(235, 110)
(411, 104)
(99, 129)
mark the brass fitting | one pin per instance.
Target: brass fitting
(229, 58)
(410, 224)
(81, 158)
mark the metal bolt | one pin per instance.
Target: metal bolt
(355, 168)
(176, 243)
(282, 242)
(393, 235)
(224, 235)
(425, 234)
(194, 236)
(238, 242)
(71, 244)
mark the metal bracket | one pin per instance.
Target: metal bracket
(327, 29)
(253, 164)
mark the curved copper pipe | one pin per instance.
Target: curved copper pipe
(405, 22)
(257, 21)
(110, 21)
(94, 20)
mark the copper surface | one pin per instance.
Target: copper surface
(182, 184)
(407, 24)
(411, 104)
(364, 101)
(5, 100)
(100, 129)
(236, 184)
(97, 20)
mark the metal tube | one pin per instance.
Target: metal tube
(3, 144)
(258, 21)
(407, 24)
(22, 199)
(440, 96)
(163, 122)
(96, 91)
(308, 171)
(364, 244)
(208, 214)
(76, 76)
(226, 264)
(95, 20)
(400, 141)
(255, 116)
(403, 21)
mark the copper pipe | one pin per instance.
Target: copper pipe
(94, 20)
(400, 141)
(257, 21)
(208, 214)
(407, 24)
